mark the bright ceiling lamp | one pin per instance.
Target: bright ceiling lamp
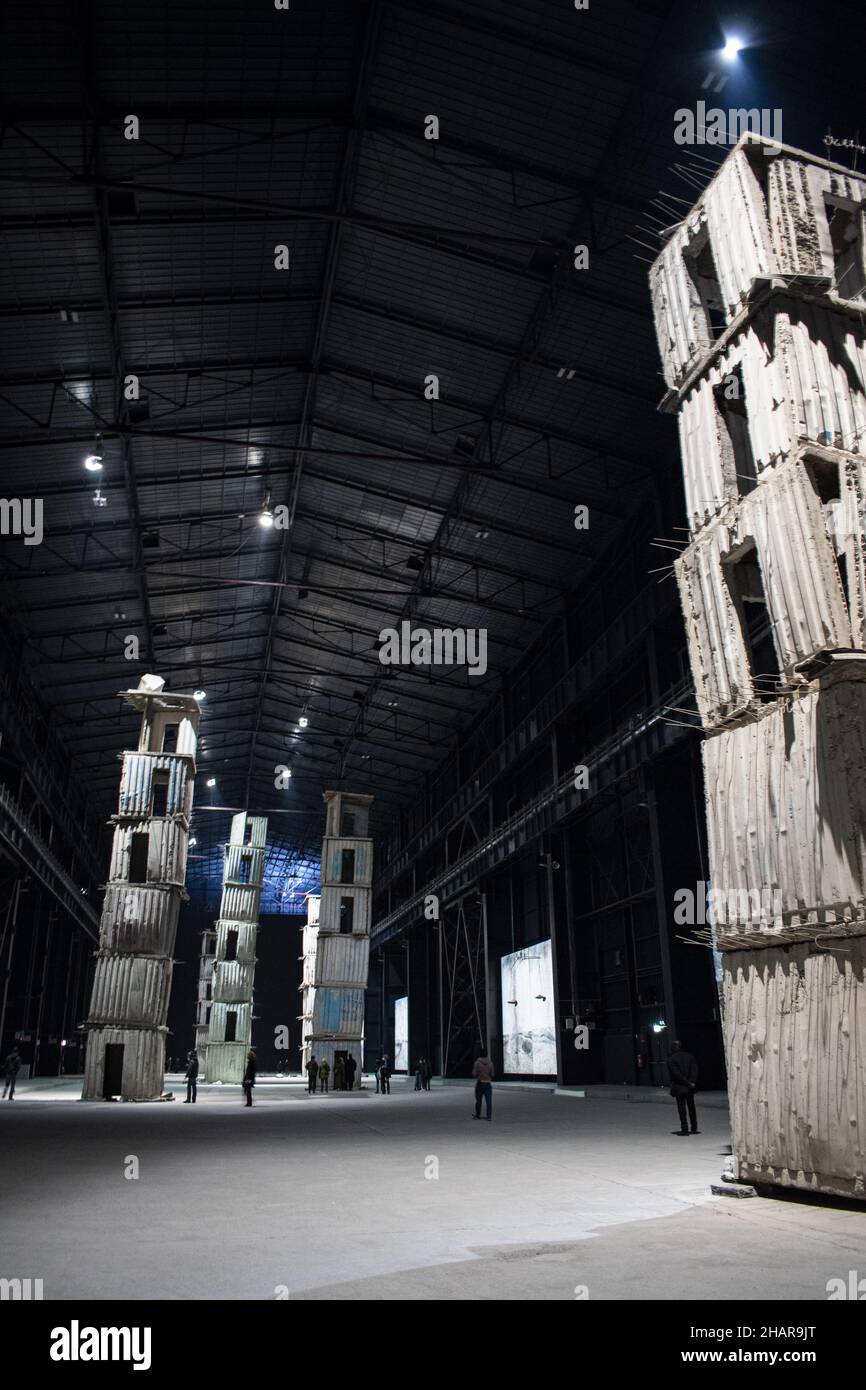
(199, 694)
(266, 516)
(733, 46)
(303, 722)
(93, 462)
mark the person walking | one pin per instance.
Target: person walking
(385, 1075)
(683, 1073)
(351, 1068)
(250, 1076)
(312, 1073)
(339, 1074)
(191, 1078)
(483, 1073)
(418, 1073)
(11, 1068)
(324, 1073)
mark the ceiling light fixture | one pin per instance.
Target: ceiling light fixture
(199, 694)
(211, 782)
(303, 722)
(732, 48)
(266, 516)
(93, 462)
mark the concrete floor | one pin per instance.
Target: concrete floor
(326, 1197)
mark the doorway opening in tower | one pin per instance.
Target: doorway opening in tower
(747, 590)
(825, 479)
(846, 236)
(730, 397)
(701, 266)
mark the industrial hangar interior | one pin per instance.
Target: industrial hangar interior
(432, 650)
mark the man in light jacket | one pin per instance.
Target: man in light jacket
(483, 1073)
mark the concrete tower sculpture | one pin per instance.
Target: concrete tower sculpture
(204, 999)
(336, 939)
(129, 1004)
(759, 304)
(234, 963)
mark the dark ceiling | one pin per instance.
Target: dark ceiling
(155, 257)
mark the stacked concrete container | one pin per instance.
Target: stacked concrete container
(758, 299)
(336, 939)
(129, 1004)
(204, 997)
(234, 961)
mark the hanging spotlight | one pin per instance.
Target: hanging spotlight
(303, 722)
(99, 500)
(211, 782)
(199, 694)
(266, 516)
(193, 841)
(93, 462)
(732, 48)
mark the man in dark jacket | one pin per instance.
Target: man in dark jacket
(351, 1068)
(11, 1068)
(312, 1073)
(191, 1078)
(385, 1075)
(250, 1076)
(683, 1072)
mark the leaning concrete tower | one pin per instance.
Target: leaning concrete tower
(759, 306)
(336, 939)
(234, 962)
(129, 1004)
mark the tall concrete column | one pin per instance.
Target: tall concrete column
(129, 1004)
(758, 299)
(336, 939)
(234, 962)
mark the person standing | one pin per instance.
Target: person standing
(324, 1073)
(312, 1073)
(426, 1074)
(419, 1072)
(385, 1075)
(191, 1077)
(483, 1073)
(683, 1073)
(339, 1074)
(351, 1068)
(250, 1076)
(11, 1068)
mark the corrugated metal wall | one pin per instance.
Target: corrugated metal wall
(342, 960)
(332, 860)
(795, 1040)
(143, 920)
(739, 233)
(788, 804)
(130, 989)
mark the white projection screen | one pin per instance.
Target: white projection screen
(401, 1033)
(528, 1015)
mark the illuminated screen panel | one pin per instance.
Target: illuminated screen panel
(528, 1017)
(401, 1033)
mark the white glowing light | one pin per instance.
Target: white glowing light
(732, 47)
(93, 463)
(211, 782)
(199, 694)
(266, 517)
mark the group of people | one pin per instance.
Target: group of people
(423, 1073)
(320, 1072)
(682, 1070)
